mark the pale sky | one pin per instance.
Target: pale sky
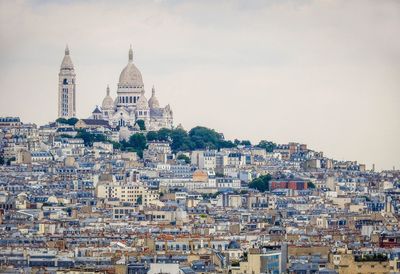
(325, 73)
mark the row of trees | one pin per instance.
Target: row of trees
(197, 138)
(70, 121)
(180, 140)
(89, 138)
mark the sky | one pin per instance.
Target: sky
(325, 73)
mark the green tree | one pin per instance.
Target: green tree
(180, 140)
(65, 135)
(267, 145)
(184, 158)
(310, 185)
(137, 142)
(139, 200)
(89, 138)
(141, 124)
(116, 145)
(203, 137)
(1, 160)
(71, 121)
(10, 160)
(62, 121)
(245, 143)
(152, 136)
(226, 144)
(164, 134)
(261, 183)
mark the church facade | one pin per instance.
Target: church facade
(131, 104)
(123, 111)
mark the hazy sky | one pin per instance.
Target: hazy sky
(326, 73)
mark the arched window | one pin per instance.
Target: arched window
(65, 81)
(134, 100)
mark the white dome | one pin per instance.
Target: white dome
(108, 102)
(153, 101)
(130, 75)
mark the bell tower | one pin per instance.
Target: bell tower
(66, 88)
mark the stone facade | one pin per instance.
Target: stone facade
(131, 104)
(66, 88)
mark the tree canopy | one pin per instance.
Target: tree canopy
(310, 185)
(184, 158)
(89, 138)
(180, 140)
(261, 183)
(267, 145)
(141, 124)
(137, 143)
(71, 121)
(196, 138)
(245, 143)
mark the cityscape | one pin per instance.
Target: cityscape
(129, 190)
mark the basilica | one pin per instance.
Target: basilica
(129, 106)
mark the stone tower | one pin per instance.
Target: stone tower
(66, 88)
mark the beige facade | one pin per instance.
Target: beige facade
(346, 264)
(127, 192)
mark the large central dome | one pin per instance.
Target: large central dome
(130, 75)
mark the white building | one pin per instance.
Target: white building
(131, 104)
(206, 160)
(127, 192)
(66, 88)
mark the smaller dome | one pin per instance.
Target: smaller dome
(200, 176)
(153, 101)
(108, 102)
(142, 102)
(233, 245)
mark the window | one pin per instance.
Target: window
(65, 82)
